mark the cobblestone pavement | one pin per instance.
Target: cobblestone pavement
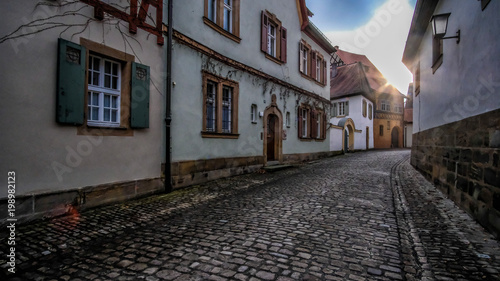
(361, 216)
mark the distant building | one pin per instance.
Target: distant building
(388, 104)
(456, 103)
(408, 118)
(352, 109)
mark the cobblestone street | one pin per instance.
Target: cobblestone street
(361, 216)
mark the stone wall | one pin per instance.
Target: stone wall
(461, 159)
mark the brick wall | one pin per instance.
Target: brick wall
(461, 159)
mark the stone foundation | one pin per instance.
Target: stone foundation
(52, 204)
(461, 159)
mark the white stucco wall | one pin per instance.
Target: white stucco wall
(360, 122)
(32, 140)
(187, 142)
(336, 136)
(467, 82)
(188, 19)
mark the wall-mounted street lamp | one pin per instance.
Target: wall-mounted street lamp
(440, 25)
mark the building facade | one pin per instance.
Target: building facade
(352, 109)
(83, 101)
(408, 117)
(456, 115)
(388, 105)
(249, 88)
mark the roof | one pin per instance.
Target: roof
(375, 77)
(351, 80)
(419, 23)
(408, 115)
(311, 30)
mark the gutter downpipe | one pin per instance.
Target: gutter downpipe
(168, 108)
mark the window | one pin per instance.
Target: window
(273, 37)
(287, 119)
(304, 58)
(398, 108)
(381, 130)
(103, 92)
(101, 87)
(370, 111)
(304, 114)
(416, 79)
(220, 107)
(228, 15)
(253, 113)
(224, 17)
(312, 123)
(343, 108)
(385, 105)
(437, 53)
(312, 64)
(364, 108)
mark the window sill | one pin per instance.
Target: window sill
(274, 59)
(219, 135)
(92, 130)
(437, 64)
(312, 79)
(254, 122)
(221, 30)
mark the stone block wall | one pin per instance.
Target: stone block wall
(462, 160)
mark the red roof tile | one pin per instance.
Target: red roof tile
(350, 80)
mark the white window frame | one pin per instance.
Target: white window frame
(303, 59)
(227, 103)
(102, 92)
(212, 4)
(253, 113)
(228, 7)
(342, 106)
(385, 105)
(319, 64)
(271, 39)
(213, 101)
(304, 113)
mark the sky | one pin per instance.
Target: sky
(375, 28)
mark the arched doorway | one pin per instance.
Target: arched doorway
(273, 132)
(348, 135)
(395, 137)
(272, 137)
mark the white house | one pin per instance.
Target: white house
(453, 51)
(352, 109)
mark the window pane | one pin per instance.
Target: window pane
(95, 78)
(114, 103)
(227, 20)
(107, 81)
(95, 113)
(115, 69)
(95, 99)
(107, 67)
(115, 83)
(114, 115)
(107, 113)
(107, 101)
(226, 109)
(96, 64)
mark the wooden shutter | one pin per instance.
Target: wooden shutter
(70, 98)
(139, 97)
(264, 24)
(324, 73)
(313, 65)
(283, 44)
(301, 46)
(300, 122)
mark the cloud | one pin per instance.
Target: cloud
(382, 40)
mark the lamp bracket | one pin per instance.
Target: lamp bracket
(451, 37)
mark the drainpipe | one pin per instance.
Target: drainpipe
(168, 108)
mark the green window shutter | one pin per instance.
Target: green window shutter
(346, 108)
(139, 96)
(70, 83)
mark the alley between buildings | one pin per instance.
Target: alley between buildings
(360, 216)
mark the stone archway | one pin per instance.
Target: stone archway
(273, 133)
(348, 138)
